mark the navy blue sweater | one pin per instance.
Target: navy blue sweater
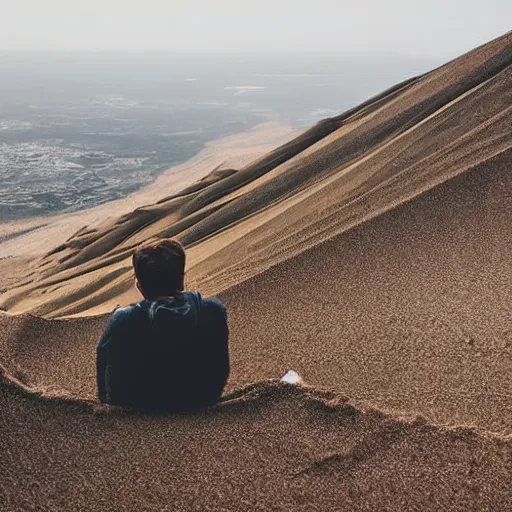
(165, 355)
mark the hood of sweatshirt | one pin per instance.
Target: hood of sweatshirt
(182, 312)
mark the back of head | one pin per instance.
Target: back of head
(160, 268)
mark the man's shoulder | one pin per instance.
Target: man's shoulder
(123, 325)
(123, 316)
(214, 306)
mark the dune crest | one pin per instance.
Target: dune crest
(260, 459)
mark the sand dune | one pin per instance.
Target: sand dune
(373, 254)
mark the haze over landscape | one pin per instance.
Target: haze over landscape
(77, 131)
(149, 87)
(435, 29)
(337, 181)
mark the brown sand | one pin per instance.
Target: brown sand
(373, 254)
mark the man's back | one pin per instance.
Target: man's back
(169, 354)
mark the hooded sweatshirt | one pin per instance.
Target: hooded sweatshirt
(165, 355)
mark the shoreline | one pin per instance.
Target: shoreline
(35, 236)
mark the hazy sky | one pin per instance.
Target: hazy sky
(438, 28)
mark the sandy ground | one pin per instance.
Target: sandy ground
(372, 254)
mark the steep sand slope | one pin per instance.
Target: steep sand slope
(340, 173)
(373, 254)
(410, 311)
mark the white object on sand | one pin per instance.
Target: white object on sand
(292, 377)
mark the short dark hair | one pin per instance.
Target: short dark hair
(160, 267)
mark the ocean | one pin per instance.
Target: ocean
(81, 129)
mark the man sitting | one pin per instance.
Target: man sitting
(169, 351)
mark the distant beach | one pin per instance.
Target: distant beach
(36, 235)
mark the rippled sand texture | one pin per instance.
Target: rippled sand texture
(372, 254)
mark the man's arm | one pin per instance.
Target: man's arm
(220, 330)
(101, 364)
(103, 359)
(224, 340)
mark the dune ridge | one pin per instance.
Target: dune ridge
(263, 391)
(372, 254)
(344, 463)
